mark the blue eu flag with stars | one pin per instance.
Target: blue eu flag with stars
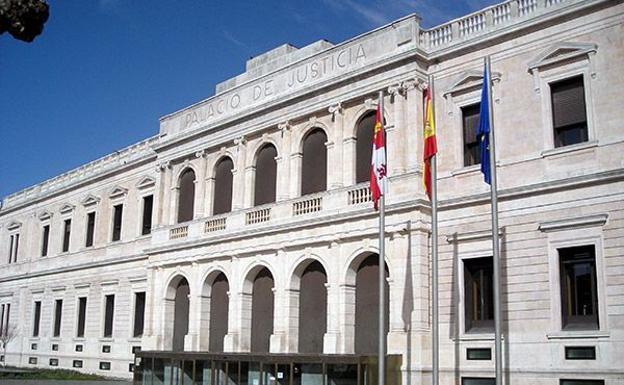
(483, 132)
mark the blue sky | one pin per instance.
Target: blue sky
(104, 71)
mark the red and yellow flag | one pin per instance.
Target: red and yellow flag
(430, 144)
(378, 174)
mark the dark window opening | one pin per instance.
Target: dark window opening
(45, 240)
(364, 147)
(314, 162)
(581, 382)
(148, 205)
(36, 319)
(478, 381)
(186, 196)
(568, 111)
(139, 313)
(266, 175)
(109, 315)
(312, 309)
(579, 297)
(117, 216)
(66, 234)
(58, 313)
(262, 304)
(470, 125)
(11, 241)
(223, 187)
(219, 306)
(181, 315)
(90, 229)
(580, 352)
(82, 315)
(367, 305)
(479, 295)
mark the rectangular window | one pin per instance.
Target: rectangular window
(579, 298)
(580, 352)
(568, 111)
(90, 229)
(108, 315)
(479, 295)
(478, 381)
(581, 382)
(139, 312)
(2, 309)
(117, 213)
(470, 121)
(148, 203)
(82, 316)
(66, 234)
(45, 239)
(11, 241)
(58, 313)
(7, 319)
(13, 247)
(37, 318)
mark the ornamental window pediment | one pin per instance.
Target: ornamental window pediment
(563, 52)
(14, 225)
(146, 182)
(66, 208)
(44, 215)
(469, 81)
(90, 200)
(118, 192)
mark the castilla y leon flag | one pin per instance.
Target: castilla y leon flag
(378, 174)
(431, 146)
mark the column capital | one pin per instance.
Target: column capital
(201, 154)
(284, 127)
(370, 104)
(240, 141)
(163, 166)
(335, 109)
(396, 89)
(415, 83)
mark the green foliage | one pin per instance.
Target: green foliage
(23, 19)
(45, 374)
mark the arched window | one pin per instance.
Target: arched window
(180, 315)
(364, 147)
(367, 305)
(262, 303)
(219, 305)
(312, 308)
(266, 175)
(314, 162)
(186, 196)
(222, 202)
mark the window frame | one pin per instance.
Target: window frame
(95, 216)
(134, 309)
(463, 134)
(112, 222)
(142, 215)
(77, 318)
(64, 232)
(103, 335)
(36, 322)
(481, 329)
(45, 241)
(57, 315)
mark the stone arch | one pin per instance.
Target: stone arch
(214, 310)
(176, 312)
(258, 308)
(223, 178)
(308, 306)
(185, 185)
(265, 175)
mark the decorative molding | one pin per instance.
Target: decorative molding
(162, 166)
(67, 208)
(109, 283)
(82, 285)
(370, 104)
(202, 154)
(471, 236)
(14, 225)
(117, 192)
(396, 89)
(90, 200)
(560, 52)
(335, 109)
(574, 223)
(146, 182)
(469, 80)
(284, 127)
(240, 141)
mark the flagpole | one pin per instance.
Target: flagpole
(382, 272)
(495, 240)
(434, 256)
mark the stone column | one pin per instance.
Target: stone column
(191, 340)
(397, 133)
(331, 339)
(277, 341)
(200, 185)
(284, 187)
(161, 205)
(335, 161)
(238, 180)
(413, 132)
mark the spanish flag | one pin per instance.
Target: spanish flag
(430, 147)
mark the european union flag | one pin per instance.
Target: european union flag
(483, 133)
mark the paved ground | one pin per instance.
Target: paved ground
(58, 382)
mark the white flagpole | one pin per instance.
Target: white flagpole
(495, 240)
(435, 330)
(382, 270)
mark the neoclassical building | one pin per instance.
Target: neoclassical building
(245, 227)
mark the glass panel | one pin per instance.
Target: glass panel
(253, 374)
(219, 373)
(187, 373)
(232, 373)
(159, 372)
(307, 374)
(478, 381)
(243, 379)
(144, 371)
(342, 374)
(202, 373)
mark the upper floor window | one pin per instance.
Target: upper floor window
(364, 147)
(109, 311)
(117, 216)
(222, 202)
(45, 240)
(266, 175)
(568, 111)
(90, 229)
(58, 314)
(66, 234)
(148, 205)
(82, 316)
(579, 297)
(470, 124)
(314, 167)
(186, 195)
(36, 319)
(479, 294)
(139, 314)
(5, 317)
(13, 247)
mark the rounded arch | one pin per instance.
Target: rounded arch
(314, 161)
(252, 271)
(184, 169)
(173, 280)
(223, 185)
(356, 258)
(306, 131)
(299, 266)
(309, 305)
(214, 309)
(186, 194)
(265, 179)
(255, 149)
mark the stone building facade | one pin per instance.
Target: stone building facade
(245, 224)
